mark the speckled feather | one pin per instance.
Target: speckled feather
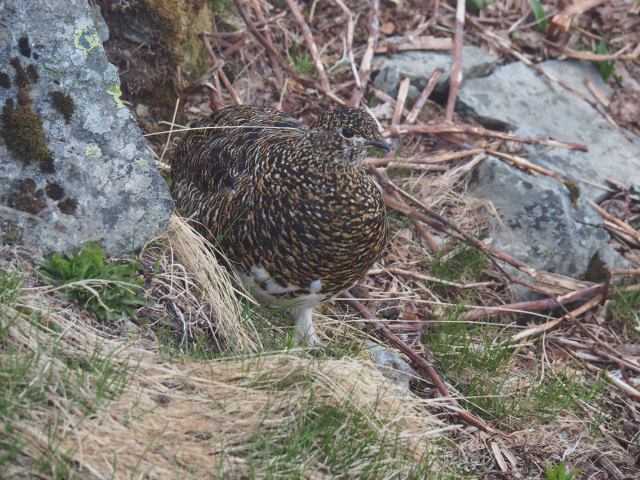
(290, 205)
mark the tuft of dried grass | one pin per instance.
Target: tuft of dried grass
(216, 288)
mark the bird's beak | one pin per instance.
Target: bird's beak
(382, 144)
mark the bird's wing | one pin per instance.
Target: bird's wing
(216, 150)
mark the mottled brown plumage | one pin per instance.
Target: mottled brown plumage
(291, 206)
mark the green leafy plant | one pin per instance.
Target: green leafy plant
(108, 289)
(539, 15)
(560, 472)
(605, 67)
(302, 63)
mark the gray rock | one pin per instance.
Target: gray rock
(392, 366)
(419, 65)
(538, 223)
(101, 26)
(514, 97)
(87, 177)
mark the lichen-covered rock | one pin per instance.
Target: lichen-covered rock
(516, 98)
(74, 166)
(540, 224)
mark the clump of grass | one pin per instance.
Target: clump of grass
(560, 472)
(108, 289)
(34, 373)
(336, 437)
(479, 364)
(626, 306)
(302, 63)
(462, 264)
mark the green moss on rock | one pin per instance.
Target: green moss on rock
(68, 206)
(27, 198)
(23, 134)
(54, 191)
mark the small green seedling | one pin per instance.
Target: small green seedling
(560, 472)
(605, 67)
(110, 290)
(539, 15)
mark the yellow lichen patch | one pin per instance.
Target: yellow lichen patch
(116, 92)
(92, 150)
(86, 39)
(143, 162)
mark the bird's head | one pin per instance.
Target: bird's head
(351, 131)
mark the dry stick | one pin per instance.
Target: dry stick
(349, 41)
(482, 313)
(385, 97)
(624, 386)
(267, 35)
(550, 325)
(311, 44)
(561, 22)
(622, 225)
(429, 160)
(599, 57)
(604, 101)
(389, 162)
(273, 53)
(367, 58)
(492, 254)
(417, 359)
(518, 161)
(418, 43)
(214, 59)
(455, 78)
(424, 95)
(484, 132)
(403, 90)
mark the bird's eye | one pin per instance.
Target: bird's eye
(347, 133)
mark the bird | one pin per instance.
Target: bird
(290, 206)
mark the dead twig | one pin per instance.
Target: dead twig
(431, 159)
(219, 72)
(431, 242)
(619, 227)
(400, 101)
(311, 44)
(424, 95)
(365, 65)
(455, 79)
(262, 21)
(561, 22)
(417, 43)
(484, 132)
(273, 53)
(550, 325)
(599, 57)
(417, 359)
